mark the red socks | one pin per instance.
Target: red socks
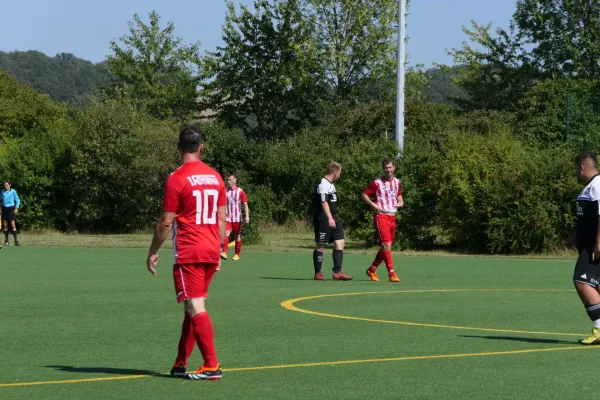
(238, 247)
(378, 260)
(186, 341)
(205, 337)
(389, 263)
(225, 244)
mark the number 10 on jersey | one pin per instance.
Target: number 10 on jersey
(204, 198)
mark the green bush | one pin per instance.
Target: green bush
(35, 135)
(542, 119)
(118, 167)
(500, 195)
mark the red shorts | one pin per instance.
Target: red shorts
(385, 226)
(234, 227)
(192, 280)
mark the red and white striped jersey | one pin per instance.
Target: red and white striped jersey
(386, 192)
(235, 198)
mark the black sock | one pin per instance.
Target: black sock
(338, 258)
(317, 260)
(593, 311)
(6, 236)
(15, 236)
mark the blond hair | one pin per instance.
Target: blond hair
(333, 167)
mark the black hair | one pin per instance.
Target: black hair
(191, 137)
(587, 155)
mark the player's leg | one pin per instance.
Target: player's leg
(387, 256)
(339, 242)
(237, 232)
(586, 279)
(371, 271)
(187, 342)
(5, 224)
(226, 242)
(186, 345)
(322, 235)
(13, 225)
(199, 278)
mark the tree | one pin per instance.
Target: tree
(564, 35)
(265, 78)
(495, 72)
(157, 69)
(356, 42)
(547, 39)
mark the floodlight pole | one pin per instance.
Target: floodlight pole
(400, 72)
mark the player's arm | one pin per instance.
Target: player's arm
(327, 211)
(163, 227)
(222, 213)
(596, 254)
(164, 224)
(367, 194)
(17, 202)
(246, 209)
(400, 198)
(400, 201)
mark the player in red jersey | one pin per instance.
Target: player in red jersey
(194, 207)
(235, 198)
(387, 190)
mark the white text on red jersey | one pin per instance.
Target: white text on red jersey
(200, 180)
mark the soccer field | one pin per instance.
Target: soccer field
(94, 324)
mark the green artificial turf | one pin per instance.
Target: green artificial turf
(69, 314)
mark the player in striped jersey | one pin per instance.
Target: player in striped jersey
(387, 190)
(235, 198)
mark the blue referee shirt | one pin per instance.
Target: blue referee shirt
(10, 199)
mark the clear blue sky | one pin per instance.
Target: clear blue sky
(86, 28)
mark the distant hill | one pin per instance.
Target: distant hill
(63, 77)
(67, 78)
(440, 89)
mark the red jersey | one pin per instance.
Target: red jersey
(387, 192)
(235, 198)
(194, 192)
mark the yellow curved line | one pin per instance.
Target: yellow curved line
(289, 305)
(315, 364)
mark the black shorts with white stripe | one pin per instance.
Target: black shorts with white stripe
(587, 270)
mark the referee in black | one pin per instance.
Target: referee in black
(328, 228)
(587, 269)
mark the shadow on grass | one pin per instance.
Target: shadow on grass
(521, 339)
(106, 370)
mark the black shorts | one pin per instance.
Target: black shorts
(586, 270)
(325, 234)
(8, 214)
